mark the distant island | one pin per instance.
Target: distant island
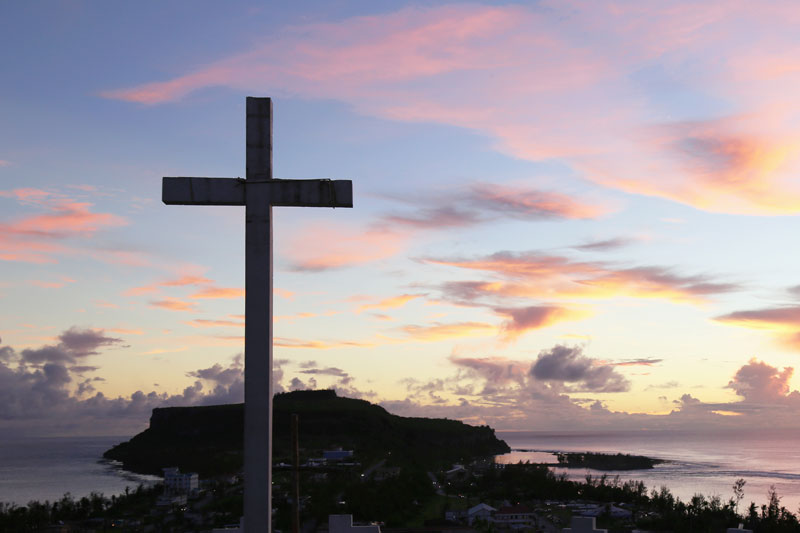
(604, 461)
(209, 439)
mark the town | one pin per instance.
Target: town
(340, 494)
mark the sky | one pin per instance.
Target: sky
(567, 215)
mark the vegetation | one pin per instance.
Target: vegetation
(602, 461)
(409, 498)
(208, 439)
(93, 510)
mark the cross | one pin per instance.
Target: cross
(258, 192)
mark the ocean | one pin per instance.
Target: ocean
(47, 468)
(704, 463)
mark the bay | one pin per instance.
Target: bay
(697, 462)
(45, 468)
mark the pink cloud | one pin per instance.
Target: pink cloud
(482, 202)
(36, 238)
(548, 276)
(759, 382)
(562, 80)
(315, 247)
(67, 218)
(524, 319)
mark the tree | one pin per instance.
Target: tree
(738, 492)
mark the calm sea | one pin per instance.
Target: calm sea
(704, 463)
(46, 468)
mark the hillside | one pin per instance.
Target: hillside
(208, 439)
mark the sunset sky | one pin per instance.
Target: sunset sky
(568, 215)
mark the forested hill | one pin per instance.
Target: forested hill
(208, 439)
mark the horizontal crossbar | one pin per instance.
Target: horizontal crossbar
(233, 191)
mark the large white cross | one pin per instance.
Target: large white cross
(258, 193)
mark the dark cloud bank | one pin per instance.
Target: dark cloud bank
(51, 391)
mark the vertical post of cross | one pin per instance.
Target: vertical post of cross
(258, 320)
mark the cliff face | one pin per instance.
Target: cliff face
(208, 439)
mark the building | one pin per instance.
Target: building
(177, 483)
(480, 512)
(583, 524)
(337, 455)
(514, 515)
(343, 523)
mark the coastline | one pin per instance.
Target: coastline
(694, 463)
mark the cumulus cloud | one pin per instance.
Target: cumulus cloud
(759, 382)
(75, 344)
(568, 365)
(41, 392)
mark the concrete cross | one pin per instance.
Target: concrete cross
(258, 193)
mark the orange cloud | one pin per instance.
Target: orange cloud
(285, 342)
(784, 322)
(283, 293)
(186, 280)
(137, 291)
(439, 332)
(281, 318)
(390, 303)
(174, 304)
(125, 331)
(524, 319)
(202, 323)
(218, 293)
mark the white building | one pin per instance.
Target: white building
(480, 512)
(177, 483)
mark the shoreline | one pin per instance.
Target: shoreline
(601, 461)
